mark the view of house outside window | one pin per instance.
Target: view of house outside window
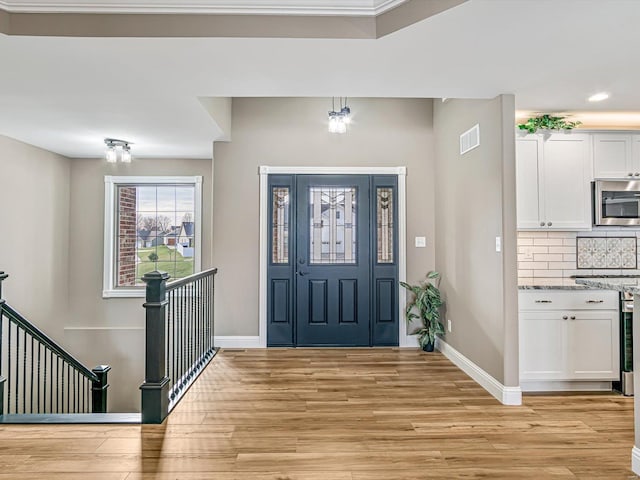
(156, 231)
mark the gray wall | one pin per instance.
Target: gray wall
(111, 330)
(293, 132)
(475, 203)
(34, 233)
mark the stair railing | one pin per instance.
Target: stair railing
(38, 376)
(179, 338)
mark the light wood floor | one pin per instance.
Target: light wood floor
(356, 414)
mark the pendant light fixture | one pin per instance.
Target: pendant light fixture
(338, 120)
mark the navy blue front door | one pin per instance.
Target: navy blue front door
(332, 275)
(332, 260)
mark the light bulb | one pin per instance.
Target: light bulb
(110, 154)
(126, 154)
(333, 124)
(342, 127)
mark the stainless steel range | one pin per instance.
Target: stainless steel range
(625, 385)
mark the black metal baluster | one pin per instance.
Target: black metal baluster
(17, 370)
(39, 379)
(32, 357)
(182, 346)
(69, 394)
(8, 365)
(24, 371)
(60, 375)
(174, 378)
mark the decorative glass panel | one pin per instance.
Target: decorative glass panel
(384, 212)
(333, 225)
(280, 225)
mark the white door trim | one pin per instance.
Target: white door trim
(404, 339)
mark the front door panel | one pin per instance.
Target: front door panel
(333, 269)
(332, 264)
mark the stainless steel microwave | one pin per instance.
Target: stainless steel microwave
(617, 202)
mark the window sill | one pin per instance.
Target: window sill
(124, 293)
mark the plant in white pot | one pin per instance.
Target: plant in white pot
(425, 306)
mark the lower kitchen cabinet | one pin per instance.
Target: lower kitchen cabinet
(569, 344)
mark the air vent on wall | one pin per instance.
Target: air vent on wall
(470, 139)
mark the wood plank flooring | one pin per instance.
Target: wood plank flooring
(337, 414)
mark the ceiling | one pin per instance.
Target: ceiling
(66, 94)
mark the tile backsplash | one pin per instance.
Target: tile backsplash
(551, 258)
(608, 252)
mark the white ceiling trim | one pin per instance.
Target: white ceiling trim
(368, 8)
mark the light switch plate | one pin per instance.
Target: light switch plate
(421, 242)
(498, 244)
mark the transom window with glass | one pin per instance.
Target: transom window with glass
(153, 223)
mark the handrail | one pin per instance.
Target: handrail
(32, 330)
(39, 376)
(179, 338)
(190, 279)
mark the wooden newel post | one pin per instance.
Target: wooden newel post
(2, 277)
(99, 389)
(2, 379)
(155, 389)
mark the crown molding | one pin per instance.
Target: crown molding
(366, 8)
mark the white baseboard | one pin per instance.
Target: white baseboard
(505, 395)
(635, 460)
(237, 341)
(564, 386)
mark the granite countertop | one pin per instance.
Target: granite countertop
(555, 287)
(621, 284)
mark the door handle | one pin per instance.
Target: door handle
(301, 273)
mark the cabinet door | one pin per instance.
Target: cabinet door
(542, 346)
(594, 345)
(528, 153)
(612, 156)
(635, 155)
(566, 182)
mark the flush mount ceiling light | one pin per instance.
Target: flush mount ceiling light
(338, 120)
(598, 97)
(115, 146)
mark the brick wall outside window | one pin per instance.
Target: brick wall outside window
(126, 236)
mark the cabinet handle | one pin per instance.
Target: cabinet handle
(549, 224)
(542, 224)
(543, 301)
(564, 317)
(572, 317)
(595, 301)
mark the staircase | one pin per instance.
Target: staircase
(40, 382)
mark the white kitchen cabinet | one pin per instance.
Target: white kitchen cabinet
(553, 182)
(569, 335)
(613, 156)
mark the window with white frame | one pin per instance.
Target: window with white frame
(151, 223)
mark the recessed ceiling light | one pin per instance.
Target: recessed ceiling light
(598, 97)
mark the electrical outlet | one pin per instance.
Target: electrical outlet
(449, 325)
(527, 253)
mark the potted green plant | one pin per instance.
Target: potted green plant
(548, 122)
(425, 306)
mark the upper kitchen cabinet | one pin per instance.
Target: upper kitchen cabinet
(553, 176)
(614, 156)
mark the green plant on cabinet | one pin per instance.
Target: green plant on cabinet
(547, 122)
